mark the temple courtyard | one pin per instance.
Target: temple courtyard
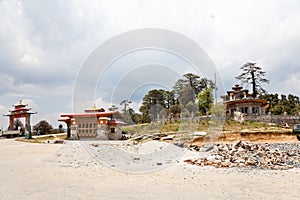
(72, 171)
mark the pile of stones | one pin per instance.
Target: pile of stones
(253, 155)
(155, 136)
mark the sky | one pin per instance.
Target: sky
(45, 46)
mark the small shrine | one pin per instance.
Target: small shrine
(94, 123)
(239, 99)
(20, 110)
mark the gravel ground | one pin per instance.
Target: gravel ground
(78, 170)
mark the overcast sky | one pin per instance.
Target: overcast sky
(43, 44)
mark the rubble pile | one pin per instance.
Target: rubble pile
(244, 154)
(155, 136)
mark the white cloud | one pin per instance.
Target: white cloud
(3, 109)
(44, 43)
(32, 104)
(3, 120)
(100, 103)
(136, 106)
(29, 60)
(291, 85)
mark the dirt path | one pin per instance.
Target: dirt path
(48, 171)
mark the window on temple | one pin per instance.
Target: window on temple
(112, 129)
(255, 110)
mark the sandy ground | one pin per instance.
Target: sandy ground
(69, 171)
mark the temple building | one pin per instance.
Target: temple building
(94, 123)
(239, 99)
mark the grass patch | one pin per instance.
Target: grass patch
(203, 125)
(42, 139)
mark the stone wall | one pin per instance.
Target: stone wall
(291, 120)
(108, 132)
(74, 133)
(276, 119)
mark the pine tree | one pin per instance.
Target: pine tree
(253, 74)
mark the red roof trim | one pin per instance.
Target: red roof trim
(262, 101)
(100, 114)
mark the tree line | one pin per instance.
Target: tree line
(289, 105)
(41, 128)
(190, 96)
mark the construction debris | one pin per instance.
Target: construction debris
(200, 133)
(168, 137)
(155, 136)
(54, 141)
(277, 156)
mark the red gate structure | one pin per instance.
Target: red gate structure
(20, 111)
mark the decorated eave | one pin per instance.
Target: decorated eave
(262, 101)
(96, 114)
(237, 87)
(20, 108)
(109, 121)
(64, 119)
(110, 114)
(239, 91)
(20, 113)
(115, 122)
(24, 109)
